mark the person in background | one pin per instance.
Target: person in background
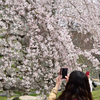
(77, 88)
(99, 77)
(90, 81)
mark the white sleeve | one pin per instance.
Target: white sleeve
(90, 82)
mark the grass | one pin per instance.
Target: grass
(3, 98)
(33, 94)
(95, 93)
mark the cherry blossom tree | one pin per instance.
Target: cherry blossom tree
(37, 37)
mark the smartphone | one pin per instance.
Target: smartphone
(87, 73)
(63, 72)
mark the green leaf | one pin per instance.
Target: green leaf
(1, 15)
(13, 66)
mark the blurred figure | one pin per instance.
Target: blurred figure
(90, 82)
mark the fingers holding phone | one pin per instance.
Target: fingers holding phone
(67, 78)
(58, 81)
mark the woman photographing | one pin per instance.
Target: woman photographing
(77, 88)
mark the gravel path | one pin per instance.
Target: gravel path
(26, 97)
(98, 83)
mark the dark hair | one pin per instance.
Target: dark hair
(77, 86)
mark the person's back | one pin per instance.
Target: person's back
(77, 88)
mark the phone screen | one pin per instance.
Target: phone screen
(64, 72)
